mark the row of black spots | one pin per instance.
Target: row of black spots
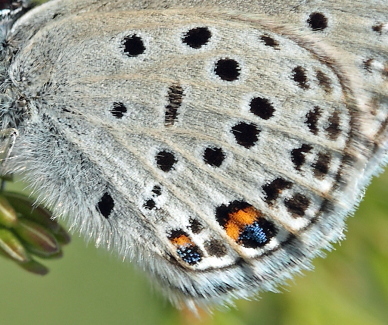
(317, 21)
(186, 249)
(298, 156)
(299, 75)
(261, 107)
(213, 156)
(269, 41)
(165, 160)
(118, 110)
(200, 36)
(333, 129)
(150, 203)
(105, 205)
(322, 165)
(245, 225)
(297, 205)
(197, 37)
(246, 134)
(312, 118)
(273, 189)
(133, 45)
(368, 64)
(226, 69)
(175, 97)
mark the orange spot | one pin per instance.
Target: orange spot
(232, 230)
(245, 216)
(239, 219)
(182, 240)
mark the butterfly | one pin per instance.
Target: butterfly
(218, 146)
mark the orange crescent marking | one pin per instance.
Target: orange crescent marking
(181, 241)
(232, 230)
(245, 216)
(239, 219)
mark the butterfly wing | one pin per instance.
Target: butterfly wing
(219, 148)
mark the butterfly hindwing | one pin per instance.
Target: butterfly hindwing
(220, 148)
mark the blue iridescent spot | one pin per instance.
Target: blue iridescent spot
(190, 254)
(257, 234)
(254, 233)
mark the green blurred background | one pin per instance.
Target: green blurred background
(90, 286)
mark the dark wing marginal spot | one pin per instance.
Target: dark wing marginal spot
(105, 205)
(175, 97)
(273, 189)
(186, 249)
(298, 155)
(245, 225)
(312, 118)
(215, 248)
(300, 77)
(334, 130)
(321, 165)
(340, 182)
(324, 81)
(195, 226)
(297, 205)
